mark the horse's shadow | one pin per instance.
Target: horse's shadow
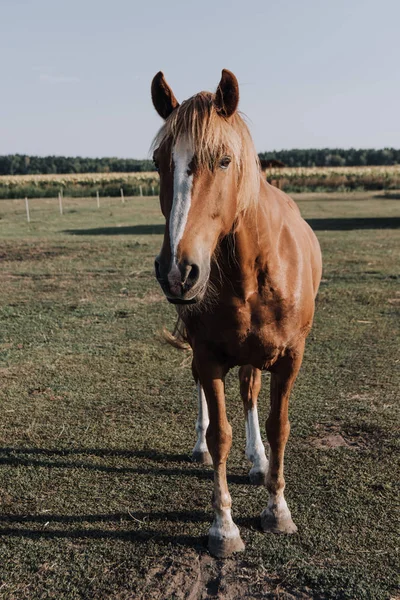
(41, 526)
(139, 517)
(13, 457)
(151, 454)
(138, 536)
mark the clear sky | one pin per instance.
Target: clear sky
(76, 74)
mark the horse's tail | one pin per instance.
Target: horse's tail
(178, 338)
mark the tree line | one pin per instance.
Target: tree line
(20, 164)
(334, 157)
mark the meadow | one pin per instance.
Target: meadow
(98, 497)
(331, 179)
(299, 179)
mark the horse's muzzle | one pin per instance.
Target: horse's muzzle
(179, 281)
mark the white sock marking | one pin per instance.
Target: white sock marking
(223, 526)
(255, 450)
(202, 421)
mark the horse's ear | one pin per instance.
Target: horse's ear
(163, 97)
(227, 95)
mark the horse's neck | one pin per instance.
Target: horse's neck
(253, 243)
(259, 227)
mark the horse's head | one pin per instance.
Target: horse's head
(208, 174)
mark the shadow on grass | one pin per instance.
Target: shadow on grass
(140, 536)
(388, 196)
(126, 230)
(13, 458)
(323, 224)
(154, 455)
(352, 223)
(176, 516)
(136, 518)
(27, 522)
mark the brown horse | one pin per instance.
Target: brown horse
(243, 269)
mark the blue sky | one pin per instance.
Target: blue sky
(313, 73)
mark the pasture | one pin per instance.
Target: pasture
(98, 497)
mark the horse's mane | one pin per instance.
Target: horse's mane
(213, 136)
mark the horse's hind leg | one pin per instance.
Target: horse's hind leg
(276, 517)
(200, 452)
(250, 385)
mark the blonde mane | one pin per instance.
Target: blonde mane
(212, 137)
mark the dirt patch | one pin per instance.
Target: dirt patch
(200, 577)
(332, 440)
(332, 436)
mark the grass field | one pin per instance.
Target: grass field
(98, 496)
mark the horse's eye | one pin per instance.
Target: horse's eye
(225, 162)
(156, 166)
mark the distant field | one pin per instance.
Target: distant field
(98, 497)
(78, 185)
(336, 178)
(110, 184)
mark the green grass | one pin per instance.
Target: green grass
(98, 496)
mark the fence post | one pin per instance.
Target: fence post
(60, 199)
(28, 217)
(122, 196)
(98, 199)
(152, 190)
(141, 190)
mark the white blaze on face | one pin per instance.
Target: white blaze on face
(182, 155)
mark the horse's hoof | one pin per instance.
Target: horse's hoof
(275, 523)
(204, 458)
(258, 477)
(222, 547)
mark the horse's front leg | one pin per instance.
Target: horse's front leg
(250, 385)
(224, 537)
(276, 517)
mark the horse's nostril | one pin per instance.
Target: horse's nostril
(194, 275)
(190, 276)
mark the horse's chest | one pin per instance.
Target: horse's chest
(243, 335)
(256, 338)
